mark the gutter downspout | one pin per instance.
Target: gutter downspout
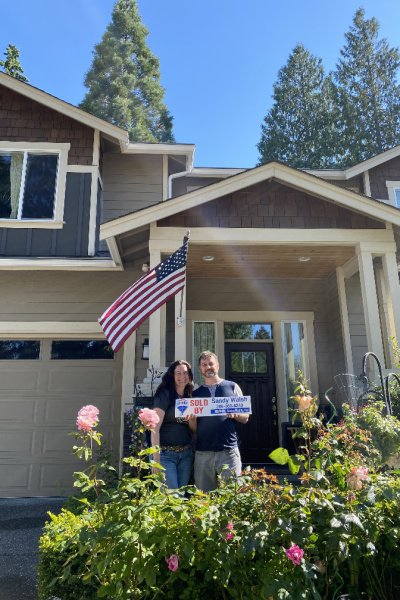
(189, 168)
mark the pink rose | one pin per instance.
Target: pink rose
(149, 417)
(356, 476)
(173, 560)
(229, 535)
(295, 554)
(87, 418)
(304, 403)
(229, 525)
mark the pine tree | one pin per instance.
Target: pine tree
(367, 92)
(11, 64)
(124, 80)
(298, 130)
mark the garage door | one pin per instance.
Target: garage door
(43, 384)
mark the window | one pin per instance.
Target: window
(28, 185)
(81, 350)
(248, 331)
(295, 355)
(249, 361)
(393, 188)
(32, 183)
(203, 339)
(19, 350)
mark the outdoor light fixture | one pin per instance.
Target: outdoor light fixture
(145, 267)
(208, 258)
(145, 349)
(304, 258)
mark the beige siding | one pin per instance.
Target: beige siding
(131, 182)
(273, 295)
(355, 310)
(335, 324)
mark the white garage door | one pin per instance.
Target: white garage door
(41, 392)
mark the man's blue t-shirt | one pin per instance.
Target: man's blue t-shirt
(216, 433)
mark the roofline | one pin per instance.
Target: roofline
(336, 174)
(65, 108)
(357, 169)
(273, 170)
(215, 172)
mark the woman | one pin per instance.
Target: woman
(173, 434)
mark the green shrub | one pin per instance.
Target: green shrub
(336, 532)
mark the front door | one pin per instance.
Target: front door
(251, 366)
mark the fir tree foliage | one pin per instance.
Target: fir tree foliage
(298, 129)
(367, 92)
(11, 64)
(124, 80)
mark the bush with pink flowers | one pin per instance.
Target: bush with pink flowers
(335, 532)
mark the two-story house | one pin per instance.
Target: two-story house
(287, 269)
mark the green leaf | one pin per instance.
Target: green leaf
(280, 456)
(335, 523)
(352, 518)
(294, 465)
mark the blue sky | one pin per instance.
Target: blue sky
(219, 58)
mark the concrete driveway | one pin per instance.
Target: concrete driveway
(21, 522)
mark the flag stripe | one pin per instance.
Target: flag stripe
(143, 297)
(132, 326)
(131, 312)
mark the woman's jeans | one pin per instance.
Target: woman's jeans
(178, 467)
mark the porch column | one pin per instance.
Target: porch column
(344, 319)
(155, 323)
(370, 304)
(180, 326)
(392, 286)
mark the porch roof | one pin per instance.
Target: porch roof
(279, 172)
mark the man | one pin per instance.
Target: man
(217, 451)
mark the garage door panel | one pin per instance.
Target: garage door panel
(64, 411)
(58, 477)
(18, 411)
(19, 381)
(16, 442)
(15, 477)
(99, 380)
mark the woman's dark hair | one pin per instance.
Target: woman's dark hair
(168, 380)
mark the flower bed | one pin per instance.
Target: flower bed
(337, 532)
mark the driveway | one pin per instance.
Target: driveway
(21, 522)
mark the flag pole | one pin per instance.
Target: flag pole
(179, 320)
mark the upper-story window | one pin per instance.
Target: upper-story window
(32, 182)
(393, 188)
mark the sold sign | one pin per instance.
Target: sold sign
(210, 407)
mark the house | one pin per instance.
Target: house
(287, 269)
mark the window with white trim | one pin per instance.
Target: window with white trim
(295, 357)
(32, 181)
(393, 188)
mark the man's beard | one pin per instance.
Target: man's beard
(210, 373)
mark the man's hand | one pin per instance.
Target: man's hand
(240, 418)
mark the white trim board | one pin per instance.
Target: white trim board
(49, 329)
(58, 264)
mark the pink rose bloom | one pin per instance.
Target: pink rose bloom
(304, 403)
(356, 477)
(149, 417)
(173, 560)
(229, 525)
(295, 554)
(87, 418)
(229, 535)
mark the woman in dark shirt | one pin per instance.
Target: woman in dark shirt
(173, 434)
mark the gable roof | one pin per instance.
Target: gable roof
(359, 168)
(33, 93)
(274, 170)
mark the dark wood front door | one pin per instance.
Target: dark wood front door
(251, 365)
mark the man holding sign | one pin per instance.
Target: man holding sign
(217, 451)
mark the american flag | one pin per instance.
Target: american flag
(147, 294)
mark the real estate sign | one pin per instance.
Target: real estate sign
(210, 407)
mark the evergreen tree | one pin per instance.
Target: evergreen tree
(124, 80)
(367, 92)
(298, 129)
(11, 64)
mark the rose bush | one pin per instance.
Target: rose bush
(336, 532)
